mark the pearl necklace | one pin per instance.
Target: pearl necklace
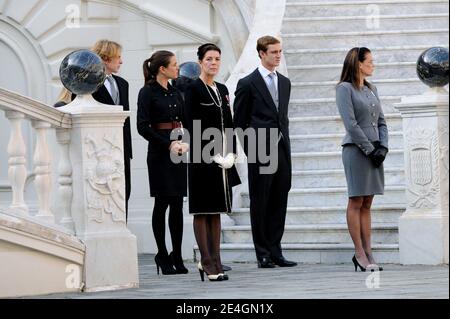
(219, 98)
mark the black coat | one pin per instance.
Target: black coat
(102, 95)
(209, 190)
(254, 107)
(158, 105)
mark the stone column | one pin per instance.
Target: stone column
(17, 171)
(98, 205)
(65, 190)
(42, 171)
(423, 228)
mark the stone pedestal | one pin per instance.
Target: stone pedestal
(423, 228)
(98, 205)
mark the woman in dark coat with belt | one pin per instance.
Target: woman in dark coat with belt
(160, 111)
(211, 176)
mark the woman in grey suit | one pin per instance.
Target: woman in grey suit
(365, 146)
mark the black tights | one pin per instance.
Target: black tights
(175, 223)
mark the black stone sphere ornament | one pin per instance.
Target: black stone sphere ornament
(190, 70)
(82, 72)
(432, 67)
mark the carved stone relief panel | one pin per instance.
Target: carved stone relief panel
(106, 179)
(422, 145)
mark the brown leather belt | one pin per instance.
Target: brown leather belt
(166, 126)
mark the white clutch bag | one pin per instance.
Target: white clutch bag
(225, 162)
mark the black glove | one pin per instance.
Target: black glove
(376, 144)
(378, 155)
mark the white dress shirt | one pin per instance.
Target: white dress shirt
(265, 75)
(108, 84)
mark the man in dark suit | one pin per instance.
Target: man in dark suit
(261, 104)
(114, 91)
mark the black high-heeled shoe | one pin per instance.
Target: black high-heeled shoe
(218, 277)
(165, 264)
(177, 261)
(356, 264)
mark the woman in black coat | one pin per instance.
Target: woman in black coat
(212, 173)
(160, 119)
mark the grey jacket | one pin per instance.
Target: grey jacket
(362, 115)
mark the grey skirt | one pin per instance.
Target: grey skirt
(363, 178)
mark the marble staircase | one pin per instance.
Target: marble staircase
(66, 240)
(316, 36)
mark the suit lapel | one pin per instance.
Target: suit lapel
(282, 94)
(261, 86)
(103, 96)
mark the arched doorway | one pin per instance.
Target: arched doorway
(22, 71)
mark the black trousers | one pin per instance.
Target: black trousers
(268, 204)
(127, 169)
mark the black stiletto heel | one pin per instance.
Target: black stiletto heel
(177, 262)
(356, 264)
(165, 264)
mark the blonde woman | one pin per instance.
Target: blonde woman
(64, 97)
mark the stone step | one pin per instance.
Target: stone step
(364, 38)
(365, 23)
(314, 107)
(332, 142)
(340, 1)
(382, 54)
(5, 197)
(313, 234)
(334, 196)
(336, 178)
(361, 8)
(333, 160)
(326, 215)
(327, 89)
(309, 253)
(332, 72)
(310, 1)
(333, 124)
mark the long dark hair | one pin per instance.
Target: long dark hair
(350, 71)
(151, 65)
(201, 51)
